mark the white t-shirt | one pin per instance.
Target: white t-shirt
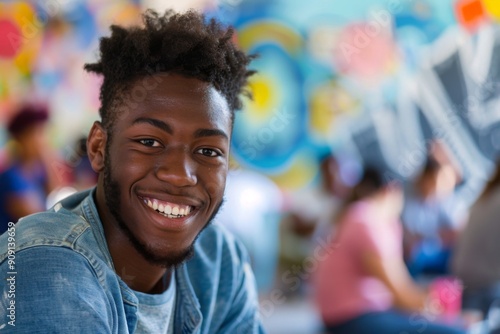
(155, 313)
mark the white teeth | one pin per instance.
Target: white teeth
(167, 209)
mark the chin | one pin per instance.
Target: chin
(159, 256)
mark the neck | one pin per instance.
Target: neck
(129, 264)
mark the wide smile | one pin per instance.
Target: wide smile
(168, 209)
(166, 214)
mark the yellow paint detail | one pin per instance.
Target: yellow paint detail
(493, 8)
(327, 103)
(257, 32)
(300, 173)
(265, 99)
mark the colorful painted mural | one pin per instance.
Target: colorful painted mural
(43, 46)
(378, 78)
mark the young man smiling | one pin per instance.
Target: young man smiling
(137, 254)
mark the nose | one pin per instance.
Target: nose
(177, 168)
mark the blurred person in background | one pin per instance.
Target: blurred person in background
(362, 285)
(476, 260)
(430, 225)
(28, 177)
(310, 211)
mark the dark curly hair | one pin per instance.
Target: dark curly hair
(185, 44)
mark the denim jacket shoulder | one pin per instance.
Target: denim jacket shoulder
(65, 280)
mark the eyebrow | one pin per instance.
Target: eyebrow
(210, 133)
(156, 123)
(167, 128)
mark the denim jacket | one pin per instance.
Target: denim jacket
(57, 276)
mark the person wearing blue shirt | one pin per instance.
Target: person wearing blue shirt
(431, 229)
(138, 253)
(27, 178)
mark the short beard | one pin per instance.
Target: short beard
(112, 196)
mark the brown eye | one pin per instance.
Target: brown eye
(208, 152)
(149, 142)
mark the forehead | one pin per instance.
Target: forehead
(173, 95)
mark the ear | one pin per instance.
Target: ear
(96, 146)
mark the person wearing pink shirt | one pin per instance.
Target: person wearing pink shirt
(363, 285)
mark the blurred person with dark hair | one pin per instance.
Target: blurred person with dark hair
(430, 225)
(362, 285)
(475, 260)
(138, 253)
(28, 178)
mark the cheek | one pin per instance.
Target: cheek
(129, 166)
(215, 184)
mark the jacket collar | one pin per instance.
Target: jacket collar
(188, 316)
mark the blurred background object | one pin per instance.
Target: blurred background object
(476, 259)
(362, 284)
(28, 176)
(393, 84)
(431, 222)
(252, 211)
